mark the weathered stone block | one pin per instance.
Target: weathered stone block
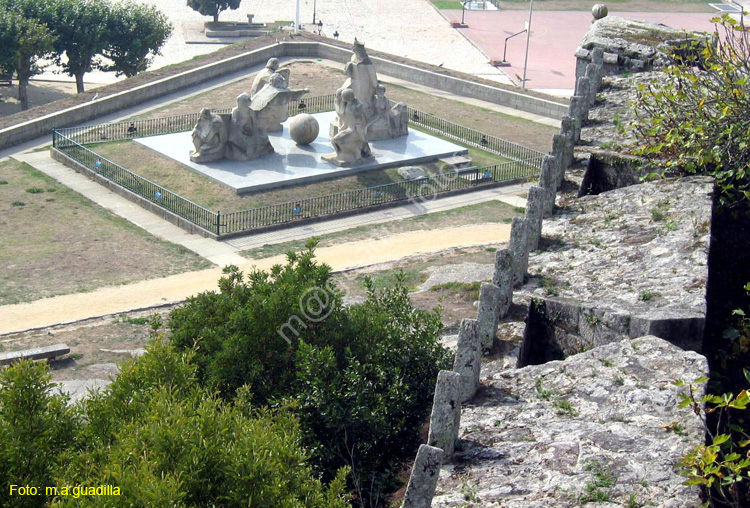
(424, 477)
(468, 361)
(488, 314)
(534, 209)
(559, 150)
(584, 90)
(548, 181)
(503, 279)
(519, 250)
(578, 111)
(446, 413)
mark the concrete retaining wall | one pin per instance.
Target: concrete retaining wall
(85, 112)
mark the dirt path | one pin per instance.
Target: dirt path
(111, 300)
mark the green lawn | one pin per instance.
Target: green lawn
(54, 241)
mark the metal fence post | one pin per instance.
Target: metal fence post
(218, 223)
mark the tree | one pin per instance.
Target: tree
(135, 34)
(25, 41)
(213, 7)
(697, 115)
(36, 427)
(157, 437)
(82, 29)
(359, 378)
(167, 442)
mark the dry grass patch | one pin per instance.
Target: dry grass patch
(54, 241)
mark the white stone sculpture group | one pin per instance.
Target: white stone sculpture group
(243, 135)
(363, 114)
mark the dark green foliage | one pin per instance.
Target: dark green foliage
(81, 29)
(360, 380)
(697, 118)
(135, 34)
(158, 437)
(36, 426)
(167, 442)
(213, 7)
(25, 41)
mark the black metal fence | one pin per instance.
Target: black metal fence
(472, 137)
(143, 187)
(526, 162)
(415, 191)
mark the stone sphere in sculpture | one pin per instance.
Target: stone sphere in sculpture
(304, 129)
(599, 11)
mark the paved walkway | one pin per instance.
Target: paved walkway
(555, 36)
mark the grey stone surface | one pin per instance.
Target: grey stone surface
(610, 249)
(380, 119)
(445, 418)
(488, 313)
(303, 129)
(559, 151)
(534, 212)
(468, 360)
(621, 264)
(412, 173)
(519, 448)
(548, 182)
(503, 279)
(79, 389)
(519, 249)
(424, 477)
(567, 129)
(584, 90)
(578, 111)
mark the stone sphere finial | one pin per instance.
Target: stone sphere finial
(599, 11)
(304, 129)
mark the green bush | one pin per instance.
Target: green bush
(158, 437)
(36, 427)
(360, 378)
(694, 116)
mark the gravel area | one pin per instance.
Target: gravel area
(463, 272)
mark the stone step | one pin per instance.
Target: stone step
(457, 161)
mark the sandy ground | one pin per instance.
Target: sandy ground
(112, 300)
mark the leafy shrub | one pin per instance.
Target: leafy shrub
(36, 426)
(157, 436)
(360, 380)
(695, 115)
(35, 190)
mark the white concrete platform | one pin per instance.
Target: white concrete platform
(294, 165)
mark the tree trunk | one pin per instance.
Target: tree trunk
(79, 82)
(23, 93)
(216, 16)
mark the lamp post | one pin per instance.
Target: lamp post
(463, 11)
(528, 36)
(296, 19)
(314, 5)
